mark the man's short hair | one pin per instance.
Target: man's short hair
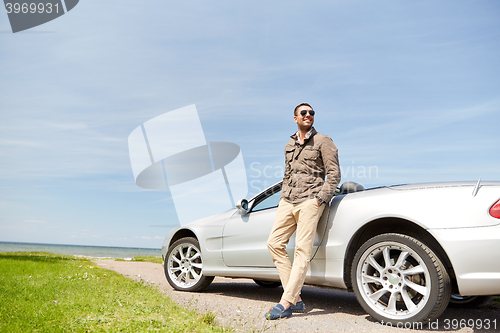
(298, 106)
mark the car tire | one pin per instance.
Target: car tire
(400, 280)
(467, 302)
(184, 266)
(267, 284)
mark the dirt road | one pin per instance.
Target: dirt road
(241, 304)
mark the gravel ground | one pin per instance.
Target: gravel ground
(240, 304)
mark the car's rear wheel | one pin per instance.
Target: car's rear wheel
(399, 279)
(267, 284)
(184, 266)
(468, 302)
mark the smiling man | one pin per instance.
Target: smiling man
(310, 157)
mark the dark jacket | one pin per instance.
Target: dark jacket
(306, 166)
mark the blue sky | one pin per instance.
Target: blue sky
(407, 90)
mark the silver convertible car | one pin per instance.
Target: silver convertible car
(406, 251)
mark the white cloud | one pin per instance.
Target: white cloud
(68, 126)
(34, 221)
(21, 143)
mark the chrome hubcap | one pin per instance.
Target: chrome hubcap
(394, 280)
(185, 265)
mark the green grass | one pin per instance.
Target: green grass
(156, 260)
(45, 292)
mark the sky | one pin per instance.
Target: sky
(408, 90)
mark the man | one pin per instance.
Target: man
(309, 157)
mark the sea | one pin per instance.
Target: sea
(82, 250)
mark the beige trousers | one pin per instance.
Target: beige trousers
(301, 218)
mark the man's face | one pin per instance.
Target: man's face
(304, 122)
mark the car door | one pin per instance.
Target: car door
(244, 241)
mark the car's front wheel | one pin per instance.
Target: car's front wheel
(184, 266)
(399, 279)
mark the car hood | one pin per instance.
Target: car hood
(212, 221)
(217, 219)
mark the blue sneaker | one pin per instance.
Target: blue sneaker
(278, 312)
(298, 307)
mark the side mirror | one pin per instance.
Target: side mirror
(242, 206)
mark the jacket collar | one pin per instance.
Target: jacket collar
(309, 134)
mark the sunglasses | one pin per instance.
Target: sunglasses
(304, 112)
